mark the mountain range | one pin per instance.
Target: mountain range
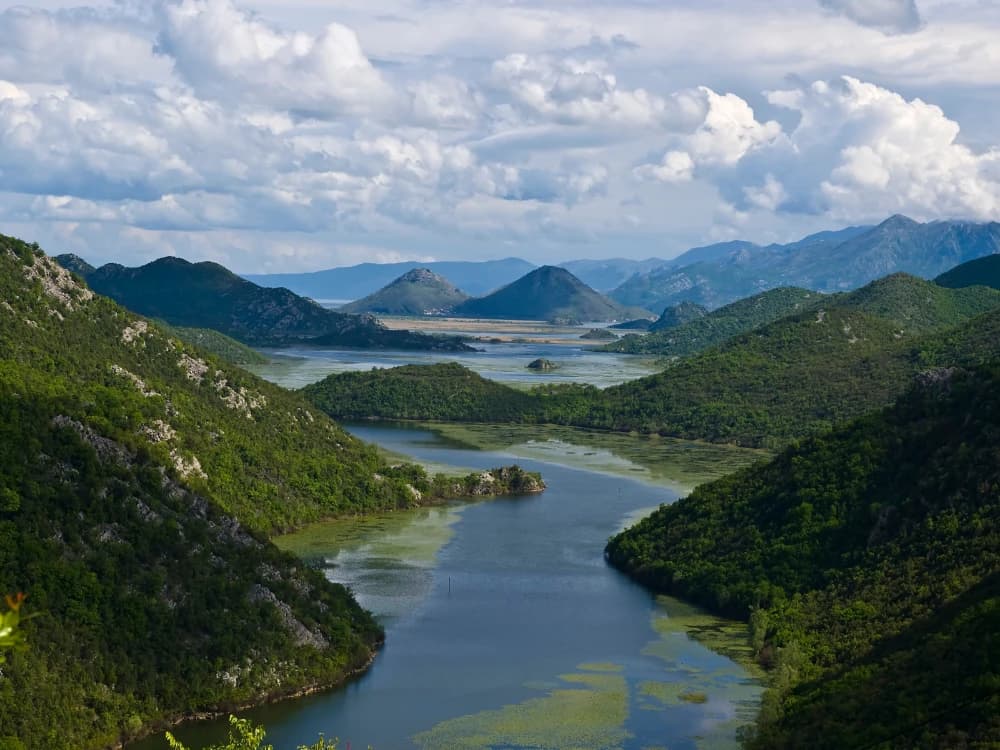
(355, 282)
(207, 295)
(711, 275)
(826, 262)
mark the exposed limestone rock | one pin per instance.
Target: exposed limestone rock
(242, 400)
(133, 332)
(302, 635)
(187, 468)
(139, 383)
(57, 282)
(159, 432)
(108, 451)
(194, 369)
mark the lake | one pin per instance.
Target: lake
(506, 628)
(506, 362)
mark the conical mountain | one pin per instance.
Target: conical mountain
(417, 292)
(547, 293)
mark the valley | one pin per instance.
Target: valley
(513, 596)
(474, 606)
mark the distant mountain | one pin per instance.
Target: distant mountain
(547, 293)
(355, 282)
(416, 292)
(979, 272)
(75, 264)
(708, 253)
(605, 275)
(678, 315)
(702, 332)
(827, 262)
(207, 295)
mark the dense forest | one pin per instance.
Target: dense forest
(674, 336)
(794, 377)
(138, 478)
(867, 561)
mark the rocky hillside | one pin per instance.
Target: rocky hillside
(547, 293)
(138, 476)
(416, 292)
(206, 295)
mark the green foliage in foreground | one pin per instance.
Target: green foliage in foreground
(11, 631)
(245, 736)
(868, 563)
(797, 376)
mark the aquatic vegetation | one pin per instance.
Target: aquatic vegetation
(678, 464)
(591, 716)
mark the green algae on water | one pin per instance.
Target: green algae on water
(590, 712)
(677, 464)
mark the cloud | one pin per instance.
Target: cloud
(228, 54)
(583, 91)
(862, 152)
(890, 16)
(727, 132)
(174, 125)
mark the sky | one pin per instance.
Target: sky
(296, 135)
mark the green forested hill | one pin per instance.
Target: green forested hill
(793, 377)
(703, 332)
(206, 295)
(678, 315)
(867, 561)
(979, 272)
(137, 478)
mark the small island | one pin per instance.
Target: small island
(599, 334)
(505, 480)
(431, 490)
(543, 365)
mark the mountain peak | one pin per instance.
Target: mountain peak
(74, 263)
(899, 221)
(547, 293)
(419, 291)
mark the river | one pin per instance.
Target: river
(506, 628)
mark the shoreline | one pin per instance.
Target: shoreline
(279, 696)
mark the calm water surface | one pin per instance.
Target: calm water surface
(506, 629)
(507, 362)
